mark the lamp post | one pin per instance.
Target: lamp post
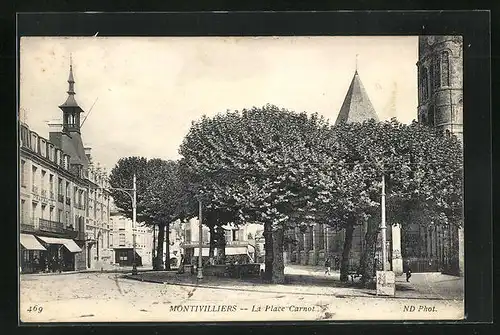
(133, 197)
(383, 226)
(200, 238)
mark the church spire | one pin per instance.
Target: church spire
(357, 107)
(71, 109)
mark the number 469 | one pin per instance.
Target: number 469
(35, 309)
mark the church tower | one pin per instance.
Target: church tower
(440, 105)
(69, 139)
(440, 82)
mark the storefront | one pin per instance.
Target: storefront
(60, 253)
(125, 257)
(33, 254)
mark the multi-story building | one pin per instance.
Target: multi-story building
(56, 178)
(121, 241)
(440, 105)
(238, 248)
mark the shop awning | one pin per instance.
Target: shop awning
(30, 242)
(69, 244)
(236, 250)
(229, 251)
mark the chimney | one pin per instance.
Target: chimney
(88, 151)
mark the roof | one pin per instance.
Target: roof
(357, 107)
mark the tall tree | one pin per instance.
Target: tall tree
(261, 165)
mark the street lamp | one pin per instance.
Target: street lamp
(133, 197)
(200, 260)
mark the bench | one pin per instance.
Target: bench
(354, 272)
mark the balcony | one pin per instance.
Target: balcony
(51, 226)
(60, 197)
(27, 228)
(34, 189)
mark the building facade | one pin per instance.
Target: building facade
(238, 247)
(121, 241)
(55, 181)
(440, 105)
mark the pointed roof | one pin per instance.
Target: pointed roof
(357, 107)
(70, 101)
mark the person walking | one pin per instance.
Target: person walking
(328, 265)
(407, 270)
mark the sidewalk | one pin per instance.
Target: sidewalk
(108, 268)
(312, 281)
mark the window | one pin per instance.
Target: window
(425, 88)
(42, 181)
(23, 173)
(42, 214)
(51, 152)
(43, 148)
(110, 240)
(122, 240)
(188, 236)
(431, 116)
(75, 196)
(23, 210)
(59, 215)
(67, 190)
(34, 142)
(437, 74)
(67, 218)
(33, 180)
(51, 213)
(431, 79)
(33, 211)
(235, 235)
(445, 68)
(51, 186)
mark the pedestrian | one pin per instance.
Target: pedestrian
(337, 262)
(36, 264)
(407, 270)
(328, 265)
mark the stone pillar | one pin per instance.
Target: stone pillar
(305, 252)
(313, 250)
(461, 254)
(397, 260)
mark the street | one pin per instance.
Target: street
(111, 297)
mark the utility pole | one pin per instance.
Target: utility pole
(134, 218)
(383, 225)
(200, 260)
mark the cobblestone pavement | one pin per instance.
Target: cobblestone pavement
(99, 297)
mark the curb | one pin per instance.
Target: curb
(340, 296)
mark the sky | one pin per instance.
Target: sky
(146, 91)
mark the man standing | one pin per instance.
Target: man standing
(407, 270)
(327, 266)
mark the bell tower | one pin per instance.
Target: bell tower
(71, 109)
(440, 83)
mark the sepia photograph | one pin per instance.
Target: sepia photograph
(252, 178)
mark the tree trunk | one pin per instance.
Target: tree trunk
(221, 245)
(159, 253)
(167, 246)
(367, 262)
(344, 266)
(278, 268)
(211, 248)
(268, 250)
(154, 248)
